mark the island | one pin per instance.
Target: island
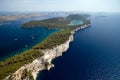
(27, 65)
(19, 16)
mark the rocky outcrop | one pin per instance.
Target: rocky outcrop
(30, 71)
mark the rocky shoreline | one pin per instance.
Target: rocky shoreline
(43, 62)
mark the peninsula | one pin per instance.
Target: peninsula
(26, 65)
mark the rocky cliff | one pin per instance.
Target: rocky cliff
(30, 71)
(40, 63)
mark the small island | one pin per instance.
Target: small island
(29, 63)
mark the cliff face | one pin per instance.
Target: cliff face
(40, 63)
(30, 71)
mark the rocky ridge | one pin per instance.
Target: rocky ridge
(31, 70)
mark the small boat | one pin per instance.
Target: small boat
(26, 45)
(33, 37)
(16, 39)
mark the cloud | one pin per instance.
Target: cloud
(60, 5)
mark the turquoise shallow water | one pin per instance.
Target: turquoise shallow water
(93, 55)
(76, 22)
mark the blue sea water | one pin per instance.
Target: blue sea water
(93, 55)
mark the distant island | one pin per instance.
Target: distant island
(59, 22)
(29, 63)
(19, 16)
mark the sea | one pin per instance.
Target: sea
(93, 55)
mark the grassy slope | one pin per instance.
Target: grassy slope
(59, 22)
(10, 65)
(54, 40)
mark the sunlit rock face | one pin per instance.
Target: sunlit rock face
(41, 63)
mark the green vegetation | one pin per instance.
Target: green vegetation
(27, 74)
(10, 65)
(78, 17)
(59, 22)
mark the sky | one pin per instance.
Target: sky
(61, 5)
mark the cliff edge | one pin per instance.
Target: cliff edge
(40, 63)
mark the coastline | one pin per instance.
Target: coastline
(44, 62)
